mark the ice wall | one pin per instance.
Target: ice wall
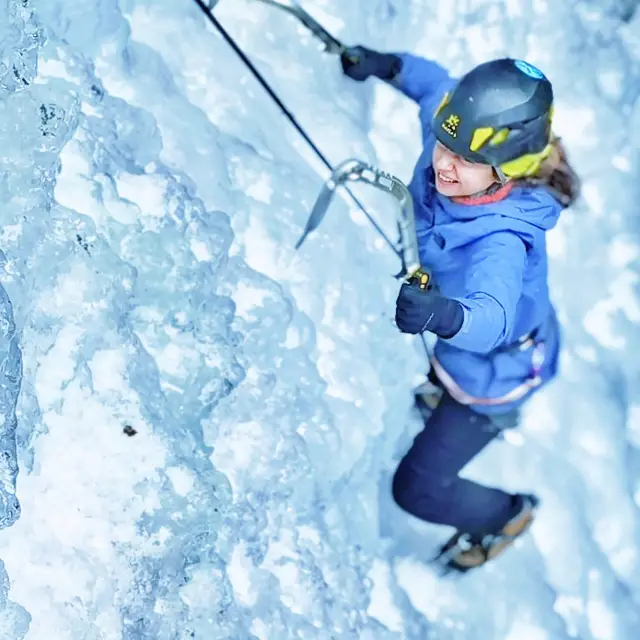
(207, 419)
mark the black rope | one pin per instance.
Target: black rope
(260, 78)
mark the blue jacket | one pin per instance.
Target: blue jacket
(490, 257)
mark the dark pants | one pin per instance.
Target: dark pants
(427, 485)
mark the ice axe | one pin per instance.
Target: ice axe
(331, 43)
(357, 171)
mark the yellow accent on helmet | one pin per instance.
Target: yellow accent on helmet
(500, 137)
(480, 137)
(527, 165)
(443, 103)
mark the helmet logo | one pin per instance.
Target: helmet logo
(450, 125)
(529, 69)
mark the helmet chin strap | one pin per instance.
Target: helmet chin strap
(500, 175)
(501, 180)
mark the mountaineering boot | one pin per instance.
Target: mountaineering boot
(464, 552)
(428, 395)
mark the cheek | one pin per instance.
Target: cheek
(477, 178)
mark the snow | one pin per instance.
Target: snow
(205, 421)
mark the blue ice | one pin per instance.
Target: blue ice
(204, 421)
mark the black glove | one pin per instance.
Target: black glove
(359, 63)
(418, 310)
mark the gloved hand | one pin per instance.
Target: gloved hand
(419, 310)
(359, 63)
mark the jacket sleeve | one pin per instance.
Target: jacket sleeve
(493, 287)
(419, 78)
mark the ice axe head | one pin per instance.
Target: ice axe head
(319, 210)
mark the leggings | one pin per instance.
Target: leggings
(426, 482)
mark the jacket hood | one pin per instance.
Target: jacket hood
(524, 210)
(529, 205)
(524, 206)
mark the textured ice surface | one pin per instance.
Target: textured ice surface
(208, 420)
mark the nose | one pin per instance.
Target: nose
(445, 160)
(445, 163)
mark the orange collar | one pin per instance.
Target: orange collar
(487, 198)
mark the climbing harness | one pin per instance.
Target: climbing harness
(533, 381)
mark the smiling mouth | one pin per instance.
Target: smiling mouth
(446, 180)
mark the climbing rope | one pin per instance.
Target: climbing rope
(207, 10)
(267, 87)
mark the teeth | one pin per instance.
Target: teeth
(445, 179)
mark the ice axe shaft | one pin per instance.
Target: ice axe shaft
(357, 171)
(331, 43)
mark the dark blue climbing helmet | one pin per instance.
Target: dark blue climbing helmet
(499, 114)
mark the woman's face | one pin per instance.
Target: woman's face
(456, 177)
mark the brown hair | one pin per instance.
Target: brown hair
(557, 175)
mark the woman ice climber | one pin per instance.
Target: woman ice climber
(490, 182)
